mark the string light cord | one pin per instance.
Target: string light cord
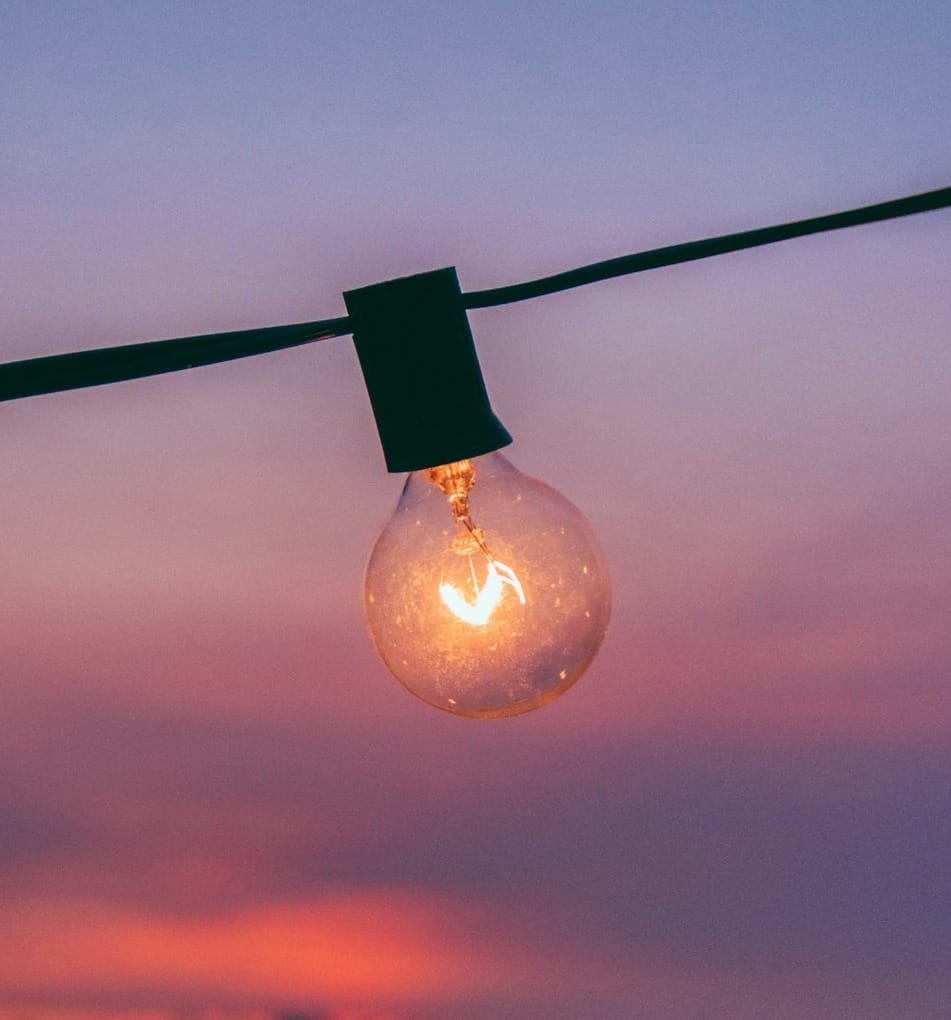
(693, 250)
(60, 372)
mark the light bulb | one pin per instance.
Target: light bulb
(486, 593)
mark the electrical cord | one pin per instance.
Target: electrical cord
(59, 372)
(693, 250)
(56, 373)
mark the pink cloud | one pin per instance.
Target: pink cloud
(351, 948)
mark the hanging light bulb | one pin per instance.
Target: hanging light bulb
(486, 593)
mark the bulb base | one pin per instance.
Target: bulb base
(422, 372)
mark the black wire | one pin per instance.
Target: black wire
(693, 250)
(133, 361)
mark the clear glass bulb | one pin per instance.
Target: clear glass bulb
(487, 594)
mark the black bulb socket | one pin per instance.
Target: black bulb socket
(422, 373)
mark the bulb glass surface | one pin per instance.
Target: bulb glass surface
(486, 594)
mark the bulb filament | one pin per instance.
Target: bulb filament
(487, 597)
(455, 481)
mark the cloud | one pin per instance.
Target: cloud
(382, 945)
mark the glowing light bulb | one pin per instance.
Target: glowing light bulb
(486, 593)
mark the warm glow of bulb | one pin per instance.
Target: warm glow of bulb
(487, 597)
(458, 626)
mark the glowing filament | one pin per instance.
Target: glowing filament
(487, 597)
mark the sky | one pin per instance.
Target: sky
(215, 803)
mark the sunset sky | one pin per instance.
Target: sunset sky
(215, 803)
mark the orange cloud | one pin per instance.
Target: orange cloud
(392, 946)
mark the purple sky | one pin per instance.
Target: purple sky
(215, 804)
